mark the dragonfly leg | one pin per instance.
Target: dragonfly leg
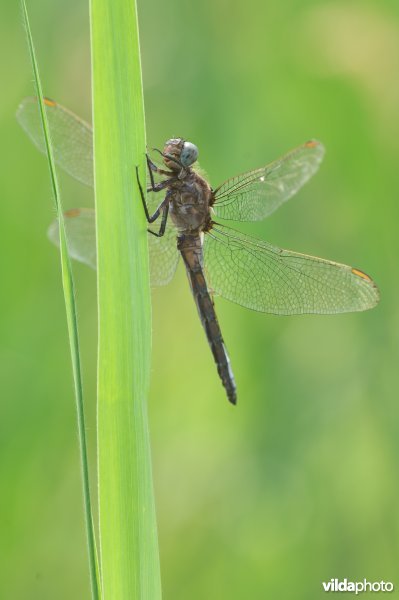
(152, 167)
(162, 228)
(165, 201)
(158, 187)
(150, 164)
(150, 218)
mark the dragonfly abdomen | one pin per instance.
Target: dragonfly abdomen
(191, 249)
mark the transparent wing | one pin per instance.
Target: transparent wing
(81, 234)
(268, 279)
(255, 195)
(164, 256)
(72, 138)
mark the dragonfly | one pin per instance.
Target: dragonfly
(218, 259)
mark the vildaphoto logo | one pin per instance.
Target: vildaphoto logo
(335, 585)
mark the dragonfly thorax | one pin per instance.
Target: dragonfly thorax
(189, 202)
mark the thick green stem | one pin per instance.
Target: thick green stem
(128, 532)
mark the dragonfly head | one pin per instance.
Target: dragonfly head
(178, 154)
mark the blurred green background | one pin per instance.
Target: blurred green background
(299, 483)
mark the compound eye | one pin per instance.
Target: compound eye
(189, 154)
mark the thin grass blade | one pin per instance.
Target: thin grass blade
(70, 307)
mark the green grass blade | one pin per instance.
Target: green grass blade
(70, 307)
(128, 532)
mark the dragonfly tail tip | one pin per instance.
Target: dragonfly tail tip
(232, 397)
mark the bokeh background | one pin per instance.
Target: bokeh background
(299, 483)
